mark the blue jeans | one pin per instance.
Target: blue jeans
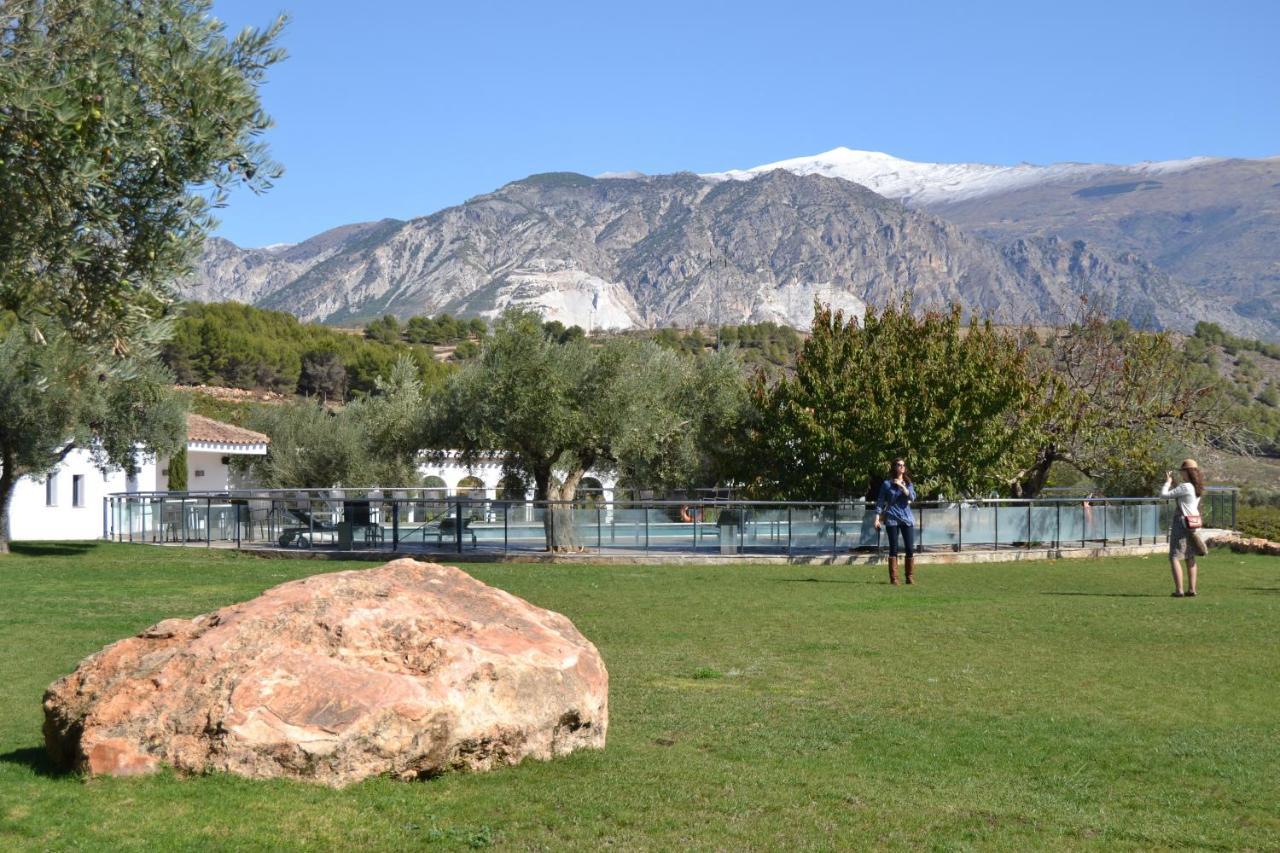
(908, 538)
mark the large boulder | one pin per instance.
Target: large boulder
(409, 669)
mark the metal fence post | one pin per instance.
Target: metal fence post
(995, 546)
(395, 525)
(645, 510)
(208, 522)
(1028, 525)
(457, 527)
(959, 526)
(506, 512)
(788, 530)
(835, 529)
(600, 532)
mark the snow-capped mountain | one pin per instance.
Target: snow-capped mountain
(681, 250)
(925, 184)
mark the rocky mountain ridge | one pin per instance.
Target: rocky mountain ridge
(683, 250)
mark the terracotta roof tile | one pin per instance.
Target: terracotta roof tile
(200, 428)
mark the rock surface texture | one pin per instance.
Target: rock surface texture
(410, 669)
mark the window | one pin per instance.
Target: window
(77, 490)
(51, 490)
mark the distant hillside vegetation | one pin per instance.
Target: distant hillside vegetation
(239, 346)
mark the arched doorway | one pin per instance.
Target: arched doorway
(472, 488)
(434, 488)
(590, 493)
(512, 488)
(431, 499)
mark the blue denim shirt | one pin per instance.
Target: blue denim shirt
(894, 504)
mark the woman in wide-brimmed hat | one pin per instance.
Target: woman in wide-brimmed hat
(1188, 494)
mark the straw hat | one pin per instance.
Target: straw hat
(1189, 464)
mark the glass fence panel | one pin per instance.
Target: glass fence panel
(402, 520)
(937, 527)
(1073, 521)
(855, 527)
(526, 529)
(977, 526)
(1044, 527)
(1149, 521)
(1013, 525)
(809, 528)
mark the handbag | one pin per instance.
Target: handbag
(1194, 522)
(1198, 544)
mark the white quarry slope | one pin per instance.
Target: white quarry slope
(940, 183)
(573, 297)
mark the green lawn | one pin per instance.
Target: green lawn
(1066, 705)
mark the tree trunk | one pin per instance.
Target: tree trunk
(8, 480)
(1033, 480)
(558, 519)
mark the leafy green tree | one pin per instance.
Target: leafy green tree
(58, 395)
(385, 329)
(959, 403)
(121, 126)
(323, 375)
(562, 408)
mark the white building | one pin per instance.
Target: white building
(450, 477)
(210, 446)
(69, 503)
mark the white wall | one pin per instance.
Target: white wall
(31, 518)
(206, 472)
(490, 473)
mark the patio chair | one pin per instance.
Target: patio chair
(302, 534)
(448, 529)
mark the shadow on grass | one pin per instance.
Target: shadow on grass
(52, 549)
(823, 580)
(36, 759)
(1274, 590)
(1110, 594)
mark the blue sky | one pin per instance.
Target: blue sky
(397, 108)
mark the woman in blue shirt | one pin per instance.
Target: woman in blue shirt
(893, 510)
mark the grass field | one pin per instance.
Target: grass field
(1007, 706)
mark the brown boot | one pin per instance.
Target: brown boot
(911, 568)
(893, 571)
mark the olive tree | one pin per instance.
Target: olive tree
(56, 396)
(122, 124)
(561, 405)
